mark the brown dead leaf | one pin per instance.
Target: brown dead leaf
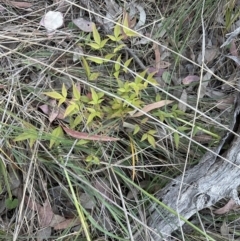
(233, 49)
(205, 82)
(224, 229)
(83, 24)
(86, 136)
(158, 73)
(45, 214)
(152, 106)
(203, 138)
(158, 62)
(183, 98)
(32, 204)
(66, 224)
(225, 103)
(210, 55)
(190, 78)
(53, 111)
(132, 22)
(57, 219)
(231, 205)
(21, 4)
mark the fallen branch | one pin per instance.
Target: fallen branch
(209, 181)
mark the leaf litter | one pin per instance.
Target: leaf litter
(137, 19)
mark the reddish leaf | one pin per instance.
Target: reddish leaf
(190, 78)
(53, 111)
(44, 108)
(158, 73)
(228, 207)
(152, 106)
(86, 136)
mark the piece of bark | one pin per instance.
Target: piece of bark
(203, 185)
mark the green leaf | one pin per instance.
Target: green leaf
(119, 48)
(96, 60)
(126, 29)
(161, 116)
(91, 110)
(151, 79)
(27, 134)
(94, 76)
(195, 130)
(166, 76)
(56, 133)
(130, 33)
(144, 120)
(152, 132)
(86, 67)
(93, 159)
(117, 29)
(100, 95)
(94, 45)
(136, 129)
(64, 91)
(117, 64)
(151, 141)
(174, 107)
(70, 109)
(126, 64)
(139, 79)
(96, 35)
(94, 95)
(82, 142)
(116, 74)
(144, 137)
(176, 139)
(108, 57)
(158, 97)
(103, 43)
(61, 101)
(54, 95)
(112, 38)
(11, 203)
(90, 118)
(76, 121)
(183, 128)
(76, 93)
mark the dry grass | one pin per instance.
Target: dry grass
(33, 63)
